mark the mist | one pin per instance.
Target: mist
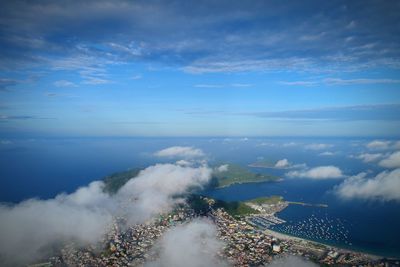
(29, 229)
(194, 244)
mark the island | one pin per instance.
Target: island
(113, 182)
(243, 226)
(282, 164)
(262, 164)
(230, 175)
(236, 174)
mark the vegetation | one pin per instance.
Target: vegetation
(263, 164)
(234, 175)
(234, 208)
(115, 181)
(238, 175)
(198, 204)
(267, 200)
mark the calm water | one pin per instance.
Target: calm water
(45, 167)
(369, 226)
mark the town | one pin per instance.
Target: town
(246, 243)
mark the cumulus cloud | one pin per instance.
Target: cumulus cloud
(392, 161)
(223, 168)
(318, 146)
(321, 172)
(396, 145)
(156, 187)
(290, 144)
(327, 153)
(35, 225)
(384, 186)
(283, 163)
(180, 151)
(191, 245)
(291, 261)
(378, 144)
(368, 157)
(183, 162)
(29, 228)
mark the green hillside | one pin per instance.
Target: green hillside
(266, 200)
(236, 174)
(116, 180)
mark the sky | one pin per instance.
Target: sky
(199, 68)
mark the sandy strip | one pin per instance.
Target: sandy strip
(298, 239)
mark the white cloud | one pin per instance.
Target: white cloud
(155, 188)
(321, 172)
(283, 163)
(183, 162)
(385, 186)
(299, 83)
(241, 84)
(335, 81)
(191, 245)
(318, 146)
(368, 157)
(392, 161)
(180, 151)
(64, 83)
(209, 85)
(95, 81)
(34, 225)
(338, 81)
(291, 261)
(6, 142)
(327, 153)
(238, 85)
(266, 144)
(223, 168)
(290, 144)
(396, 145)
(136, 77)
(31, 227)
(378, 144)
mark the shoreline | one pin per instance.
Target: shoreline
(283, 236)
(268, 167)
(254, 182)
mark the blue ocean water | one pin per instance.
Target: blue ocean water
(43, 168)
(371, 227)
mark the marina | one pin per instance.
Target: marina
(264, 221)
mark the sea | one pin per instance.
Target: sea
(44, 167)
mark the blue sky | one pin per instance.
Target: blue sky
(199, 68)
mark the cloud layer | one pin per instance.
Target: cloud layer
(180, 151)
(379, 144)
(197, 36)
(34, 225)
(191, 245)
(369, 157)
(387, 112)
(384, 186)
(283, 163)
(392, 161)
(321, 172)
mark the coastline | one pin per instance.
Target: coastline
(252, 182)
(268, 167)
(288, 237)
